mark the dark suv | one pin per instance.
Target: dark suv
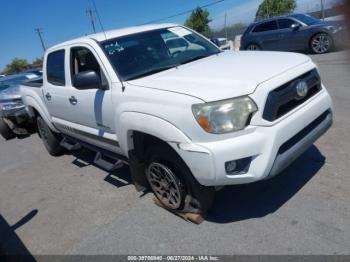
(295, 32)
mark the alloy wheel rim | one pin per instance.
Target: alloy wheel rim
(321, 44)
(165, 185)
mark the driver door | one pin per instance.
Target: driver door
(91, 115)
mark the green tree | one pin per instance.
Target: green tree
(17, 65)
(199, 21)
(270, 8)
(38, 62)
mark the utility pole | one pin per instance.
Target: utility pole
(226, 25)
(322, 9)
(90, 13)
(267, 8)
(39, 31)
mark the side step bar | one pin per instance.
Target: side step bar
(70, 146)
(105, 164)
(104, 159)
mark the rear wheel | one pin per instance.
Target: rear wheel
(173, 184)
(321, 43)
(50, 139)
(5, 131)
(253, 47)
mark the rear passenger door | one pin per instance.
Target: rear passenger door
(266, 35)
(55, 89)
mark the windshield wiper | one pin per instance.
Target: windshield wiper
(152, 71)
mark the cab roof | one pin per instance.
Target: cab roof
(110, 34)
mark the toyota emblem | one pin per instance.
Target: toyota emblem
(302, 89)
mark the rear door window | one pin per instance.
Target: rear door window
(55, 68)
(267, 26)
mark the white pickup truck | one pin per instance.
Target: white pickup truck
(187, 121)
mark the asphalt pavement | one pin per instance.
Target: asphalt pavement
(66, 205)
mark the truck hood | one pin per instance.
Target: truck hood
(228, 74)
(11, 93)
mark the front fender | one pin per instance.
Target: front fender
(149, 124)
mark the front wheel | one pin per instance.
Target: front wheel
(321, 43)
(166, 186)
(173, 183)
(50, 139)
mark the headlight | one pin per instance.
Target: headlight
(5, 106)
(224, 116)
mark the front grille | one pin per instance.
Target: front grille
(283, 99)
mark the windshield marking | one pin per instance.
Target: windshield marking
(179, 31)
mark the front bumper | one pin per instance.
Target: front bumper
(266, 146)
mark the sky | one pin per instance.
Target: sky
(62, 20)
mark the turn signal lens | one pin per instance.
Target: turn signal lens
(203, 122)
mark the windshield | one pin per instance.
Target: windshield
(13, 81)
(146, 53)
(306, 19)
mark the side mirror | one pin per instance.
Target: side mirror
(87, 80)
(295, 26)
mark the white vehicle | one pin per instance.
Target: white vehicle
(222, 43)
(178, 45)
(187, 124)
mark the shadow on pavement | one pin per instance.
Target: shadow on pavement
(11, 246)
(118, 178)
(235, 203)
(259, 199)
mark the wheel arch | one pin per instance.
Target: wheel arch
(131, 123)
(34, 110)
(316, 33)
(198, 197)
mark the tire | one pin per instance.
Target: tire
(50, 139)
(253, 47)
(5, 131)
(321, 43)
(173, 183)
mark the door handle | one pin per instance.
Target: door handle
(73, 100)
(48, 96)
